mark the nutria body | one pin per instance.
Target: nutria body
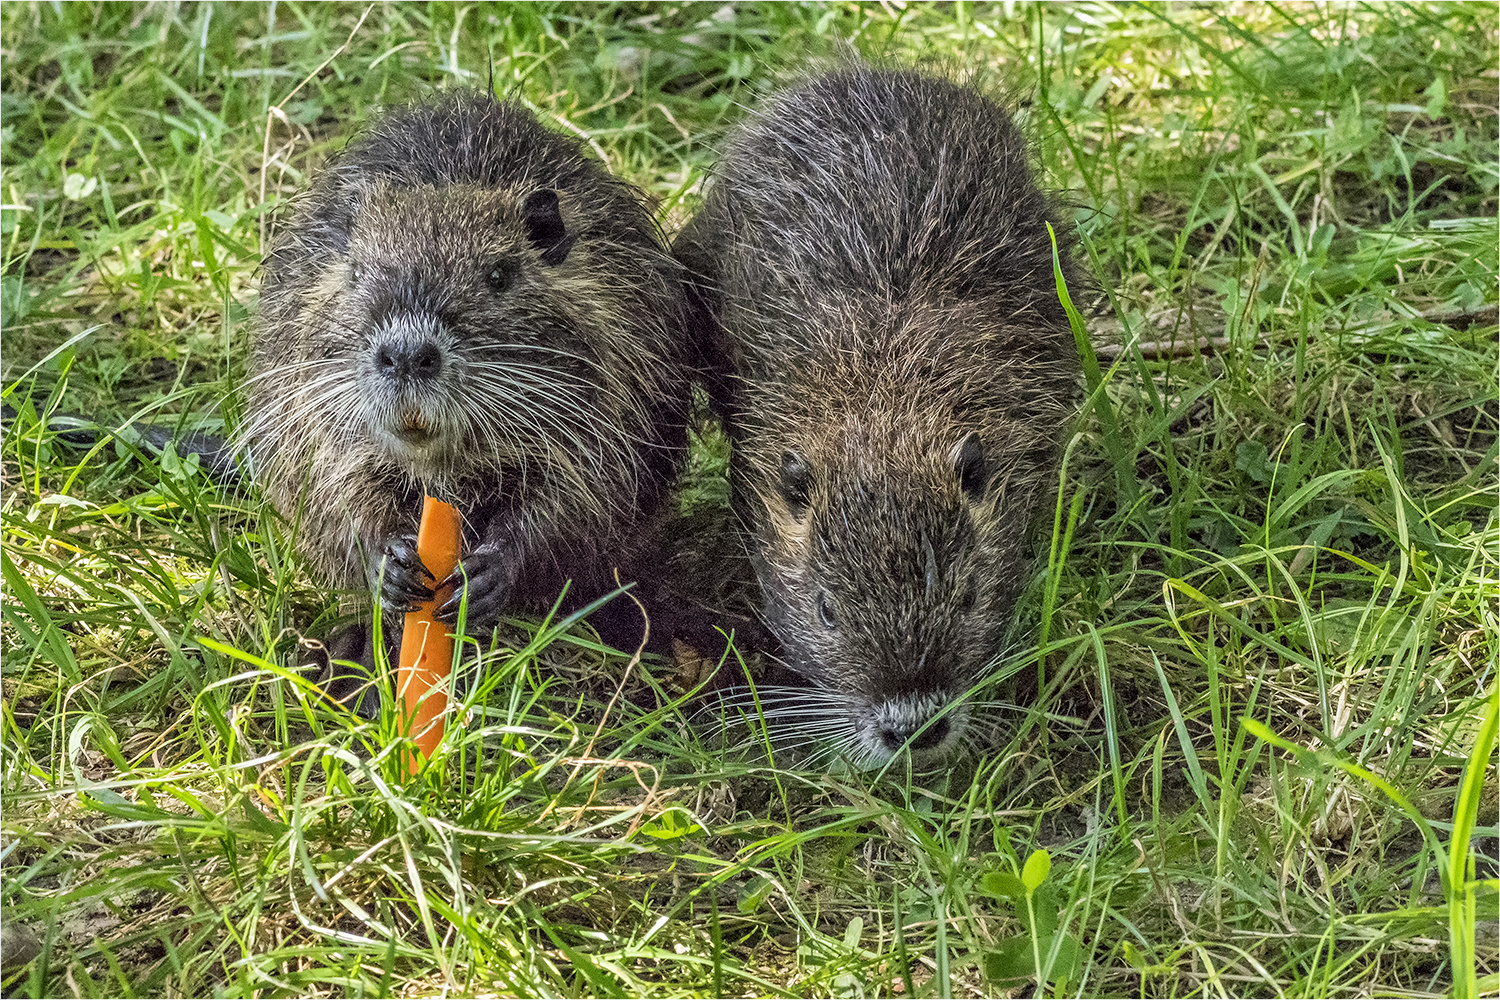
(465, 304)
(877, 283)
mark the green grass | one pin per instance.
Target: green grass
(1255, 758)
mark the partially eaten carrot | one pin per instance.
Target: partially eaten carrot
(426, 646)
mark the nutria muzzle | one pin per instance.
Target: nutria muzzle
(403, 361)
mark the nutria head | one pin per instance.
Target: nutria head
(890, 557)
(441, 335)
(460, 333)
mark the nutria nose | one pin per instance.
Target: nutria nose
(421, 360)
(895, 737)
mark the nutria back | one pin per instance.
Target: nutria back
(466, 304)
(876, 280)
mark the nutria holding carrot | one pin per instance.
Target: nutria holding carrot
(875, 283)
(466, 305)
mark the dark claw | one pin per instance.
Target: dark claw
(482, 612)
(397, 591)
(448, 610)
(402, 551)
(484, 598)
(394, 605)
(489, 582)
(400, 576)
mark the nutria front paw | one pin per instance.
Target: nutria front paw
(399, 578)
(490, 570)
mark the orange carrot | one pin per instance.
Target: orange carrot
(426, 646)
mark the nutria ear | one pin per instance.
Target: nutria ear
(795, 484)
(969, 463)
(544, 226)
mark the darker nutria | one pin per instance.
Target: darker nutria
(876, 278)
(466, 304)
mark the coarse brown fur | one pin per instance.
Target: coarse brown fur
(466, 304)
(876, 284)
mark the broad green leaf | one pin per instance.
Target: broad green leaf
(1010, 962)
(1037, 868)
(1002, 885)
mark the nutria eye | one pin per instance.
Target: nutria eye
(355, 271)
(500, 278)
(825, 611)
(969, 463)
(969, 598)
(796, 484)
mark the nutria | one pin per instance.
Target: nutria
(467, 305)
(876, 280)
